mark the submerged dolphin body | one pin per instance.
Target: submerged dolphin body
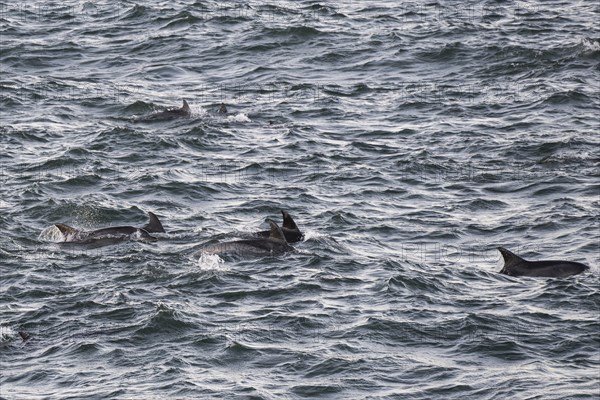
(517, 266)
(274, 244)
(114, 233)
(170, 113)
(289, 228)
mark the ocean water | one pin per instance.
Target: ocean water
(408, 140)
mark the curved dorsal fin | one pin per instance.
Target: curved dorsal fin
(154, 225)
(276, 232)
(510, 258)
(185, 106)
(288, 221)
(67, 230)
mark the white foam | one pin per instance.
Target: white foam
(241, 117)
(197, 112)
(7, 333)
(591, 44)
(211, 262)
(53, 234)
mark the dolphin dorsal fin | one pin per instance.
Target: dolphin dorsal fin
(154, 224)
(276, 232)
(67, 230)
(510, 258)
(288, 221)
(185, 106)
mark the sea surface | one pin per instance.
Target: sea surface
(407, 139)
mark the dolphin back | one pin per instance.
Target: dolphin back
(289, 228)
(288, 221)
(275, 244)
(154, 225)
(276, 233)
(68, 232)
(168, 114)
(510, 259)
(517, 266)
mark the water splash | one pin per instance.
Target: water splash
(211, 262)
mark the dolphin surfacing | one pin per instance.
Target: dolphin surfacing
(24, 336)
(274, 244)
(73, 235)
(170, 113)
(517, 266)
(289, 228)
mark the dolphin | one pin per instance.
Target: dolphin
(222, 109)
(290, 229)
(517, 266)
(24, 335)
(119, 233)
(274, 244)
(170, 113)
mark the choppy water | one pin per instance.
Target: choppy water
(407, 140)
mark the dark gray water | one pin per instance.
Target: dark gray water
(407, 140)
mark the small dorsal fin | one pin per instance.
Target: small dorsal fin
(24, 335)
(276, 232)
(67, 230)
(185, 106)
(288, 221)
(144, 236)
(222, 109)
(154, 225)
(510, 258)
